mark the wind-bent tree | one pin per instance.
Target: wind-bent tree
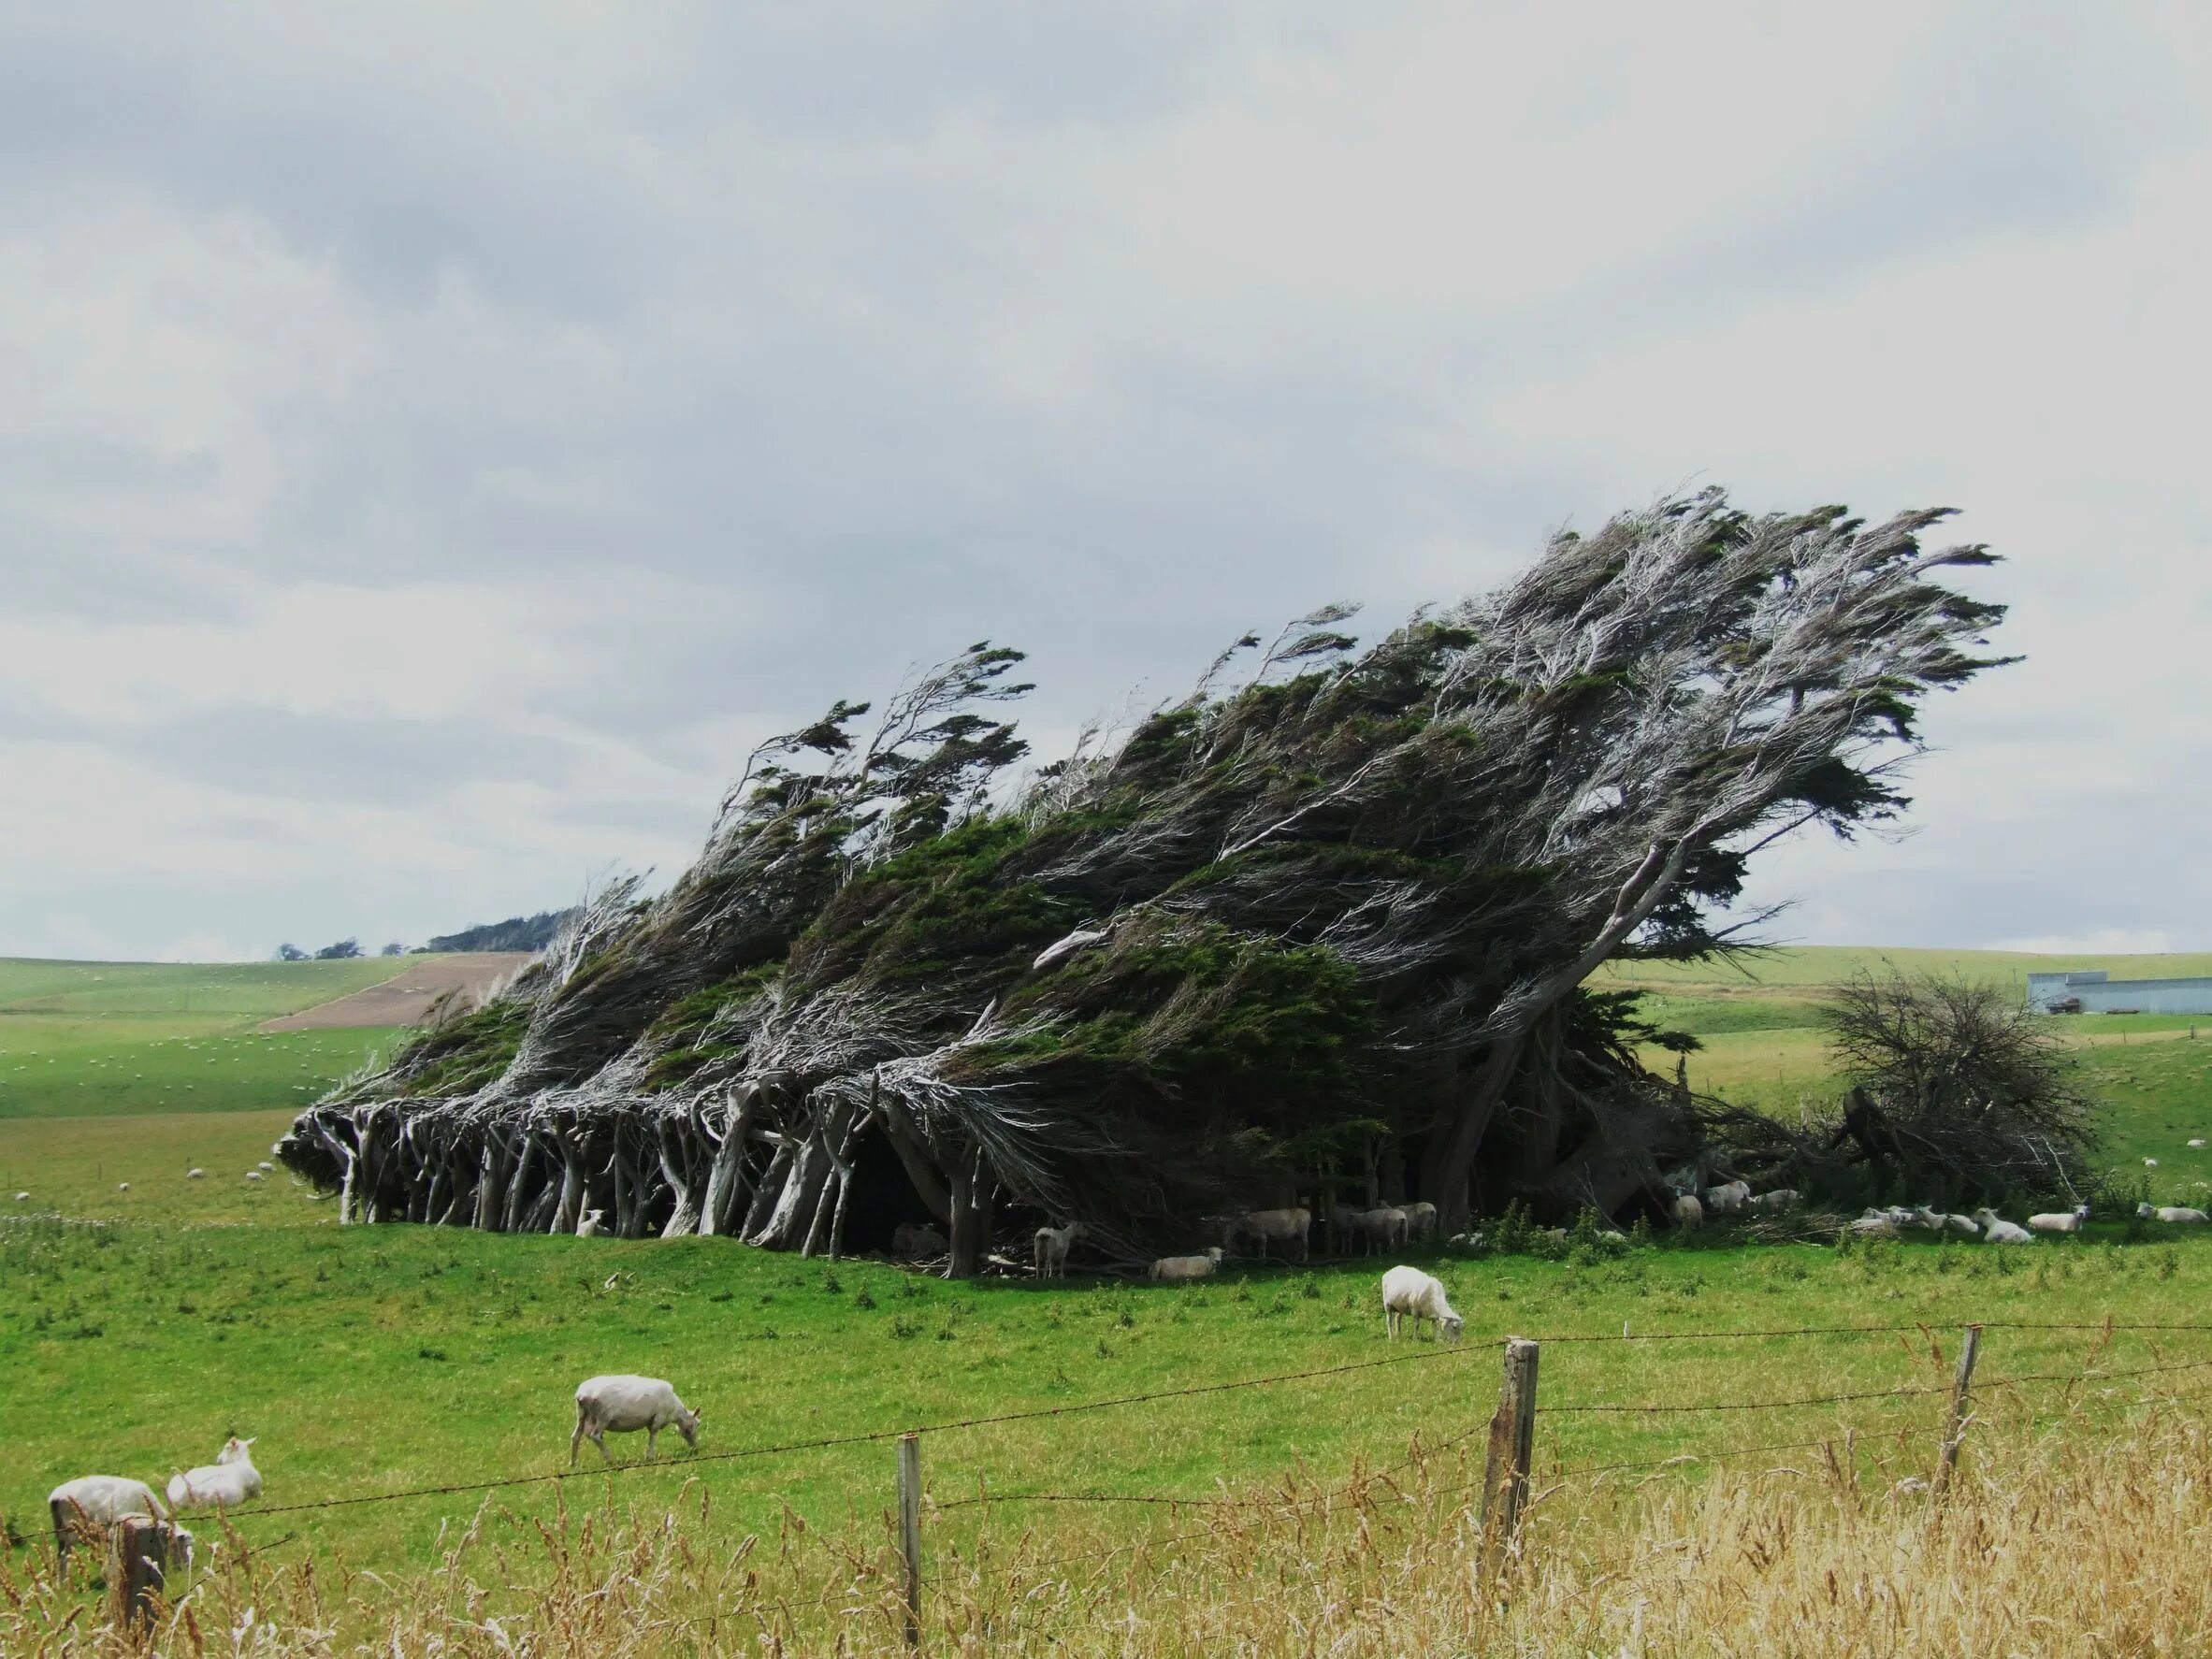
(1322, 925)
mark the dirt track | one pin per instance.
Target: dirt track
(407, 997)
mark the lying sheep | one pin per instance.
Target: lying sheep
(589, 1227)
(910, 1238)
(1965, 1225)
(230, 1480)
(90, 1505)
(1174, 1269)
(2059, 1221)
(1727, 1198)
(1997, 1231)
(1051, 1246)
(1782, 1198)
(2170, 1213)
(1875, 1224)
(1408, 1291)
(622, 1405)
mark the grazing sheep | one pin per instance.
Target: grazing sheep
(123, 1186)
(2150, 1163)
(2196, 1145)
(1420, 1218)
(622, 1405)
(194, 1174)
(589, 1227)
(1051, 1246)
(1689, 1212)
(91, 1504)
(265, 1165)
(909, 1238)
(1267, 1227)
(1727, 1198)
(1380, 1227)
(230, 1480)
(1997, 1231)
(255, 1174)
(1172, 1269)
(23, 1198)
(2170, 1213)
(1409, 1292)
(1782, 1198)
(2059, 1221)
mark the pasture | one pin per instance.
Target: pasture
(377, 1361)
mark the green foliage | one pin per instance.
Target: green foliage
(464, 1053)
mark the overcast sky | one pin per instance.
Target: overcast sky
(437, 440)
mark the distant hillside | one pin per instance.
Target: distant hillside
(517, 932)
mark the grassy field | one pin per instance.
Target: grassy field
(372, 1360)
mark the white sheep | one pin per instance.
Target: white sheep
(91, 1504)
(1727, 1198)
(1385, 1225)
(1997, 1231)
(1408, 1292)
(230, 1480)
(1420, 1218)
(909, 1238)
(2196, 1145)
(622, 1405)
(1875, 1224)
(123, 1186)
(1051, 1246)
(194, 1174)
(23, 1198)
(255, 1174)
(2059, 1221)
(1174, 1269)
(2150, 1163)
(1965, 1225)
(265, 1165)
(1689, 1212)
(1782, 1198)
(1466, 1243)
(589, 1227)
(1271, 1227)
(2170, 1213)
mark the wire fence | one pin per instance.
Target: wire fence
(1507, 1472)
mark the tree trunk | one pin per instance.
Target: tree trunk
(1452, 1152)
(972, 1194)
(569, 1211)
(725, 1174)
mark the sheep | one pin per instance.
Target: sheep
(909, 1238)
(1997, 1231)
(2150, 1163)
(2059, 1221)
(1689, 1212)
(1408, 1291)
(1420, 1218)
(255, 1174)
(1465, 1243)
(1383, 1226)
(624, 1403)
(230, 1480)
(264, 1166)
(1926, 1219)
(1727, 1198)
(91, 1504)
(1782, 1198)
(195, 1175)
(589, 1227)
(1873, 1226)
(123, 1186)
(1174, 1269)
(23, 1198)
(1964, 1224)
(2196, 1145)
(1051, 1246)
(2170, 1213)
(1276, 1227)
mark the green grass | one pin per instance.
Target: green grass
(1813, 966)
(373, 1360)
(218, 995)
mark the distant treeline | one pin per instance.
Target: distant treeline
(517, 932)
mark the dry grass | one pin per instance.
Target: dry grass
(2084, 1535)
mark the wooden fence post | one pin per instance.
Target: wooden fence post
(142, 1548)
(910, 1530)
(1969, 1347)
(1513, 1449)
